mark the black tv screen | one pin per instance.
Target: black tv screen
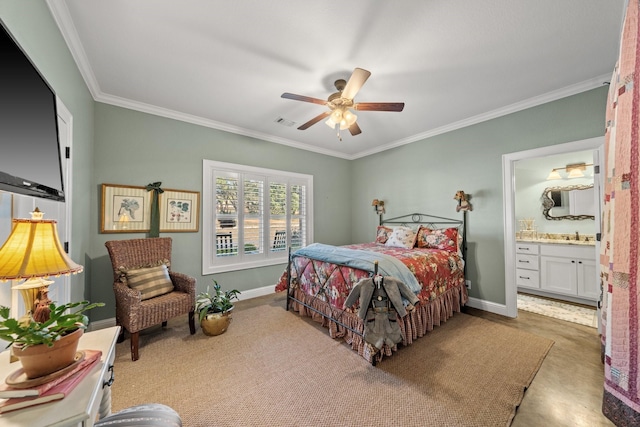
(30, 160)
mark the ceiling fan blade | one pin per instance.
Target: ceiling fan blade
(315, 120)
(357, 79)
(355, 129)
(379, 106)
(303, 98)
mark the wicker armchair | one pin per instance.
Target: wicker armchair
(135, 314)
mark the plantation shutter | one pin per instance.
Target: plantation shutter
(298, 221)
(252, 223)
(226, 217)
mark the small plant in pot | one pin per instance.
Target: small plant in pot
(214, 309)
(48, 346)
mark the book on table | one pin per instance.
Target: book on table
(53, 390)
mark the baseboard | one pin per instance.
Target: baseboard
(480, 304)
(244, 295)
(257, 292)
(489, 306)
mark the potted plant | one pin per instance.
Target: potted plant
(214, 310)
(48, 346)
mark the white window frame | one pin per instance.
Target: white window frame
(217, 264)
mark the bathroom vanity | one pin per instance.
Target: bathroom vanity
(561, 269)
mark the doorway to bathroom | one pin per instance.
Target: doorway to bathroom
(528, 228)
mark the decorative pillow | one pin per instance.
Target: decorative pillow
(123, 270)
(383, 233)
(442, 238)
(402, 237)
(150, 281)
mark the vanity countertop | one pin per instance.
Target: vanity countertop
(590, 242)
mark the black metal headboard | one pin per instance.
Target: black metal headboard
(433, 222)
(422, 219)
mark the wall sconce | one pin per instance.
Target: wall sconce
(574, 170)
(378, 206)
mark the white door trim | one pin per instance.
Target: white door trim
(508, 197)
(25, 204)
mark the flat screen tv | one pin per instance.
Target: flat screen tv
(30, 160)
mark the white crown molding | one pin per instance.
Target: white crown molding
(61, 15)
(519, 106)
(63, 19)
(176, 115)
(513, 108)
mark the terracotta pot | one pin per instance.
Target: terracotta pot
(40, 360)
(215, 323)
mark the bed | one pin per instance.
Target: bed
(319, 278)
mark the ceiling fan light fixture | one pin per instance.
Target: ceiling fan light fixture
(340, 116)
(349, 117)
(334, 118)
(330, 123)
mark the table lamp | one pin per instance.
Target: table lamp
(33, 253)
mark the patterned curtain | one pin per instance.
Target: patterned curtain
(620, 249)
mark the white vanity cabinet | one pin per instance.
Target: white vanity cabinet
(527, 265)
(569, 270)
(562, 271)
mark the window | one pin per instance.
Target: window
(251, 216)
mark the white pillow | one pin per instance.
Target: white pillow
(402, 237)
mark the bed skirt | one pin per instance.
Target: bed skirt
(414, 325)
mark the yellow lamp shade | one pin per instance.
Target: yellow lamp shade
(34, 250)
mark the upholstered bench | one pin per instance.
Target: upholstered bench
(151, 414)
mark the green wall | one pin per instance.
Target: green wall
(425, 175)
(134, 148)
(32, 25)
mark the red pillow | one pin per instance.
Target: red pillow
(383, 233)
(441, 238)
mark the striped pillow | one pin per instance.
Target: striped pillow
(151, 282)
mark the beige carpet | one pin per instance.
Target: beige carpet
(274, 368)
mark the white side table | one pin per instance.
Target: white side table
(81, 407)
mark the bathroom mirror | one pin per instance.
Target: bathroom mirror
(573, 202)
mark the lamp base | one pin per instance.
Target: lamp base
(35, 294)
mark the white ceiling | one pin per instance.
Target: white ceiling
(224, 64)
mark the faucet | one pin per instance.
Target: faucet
(577, 236)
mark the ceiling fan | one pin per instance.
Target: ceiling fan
(340, 114)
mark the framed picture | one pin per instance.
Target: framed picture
(125, 209)
(179, 211)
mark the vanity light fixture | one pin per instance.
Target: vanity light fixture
(554, 174)
(574, 170)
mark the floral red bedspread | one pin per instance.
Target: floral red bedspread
(436, 270)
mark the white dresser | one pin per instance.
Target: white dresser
(92, 397)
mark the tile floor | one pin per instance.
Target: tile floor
(567, 390)
(560, 310)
